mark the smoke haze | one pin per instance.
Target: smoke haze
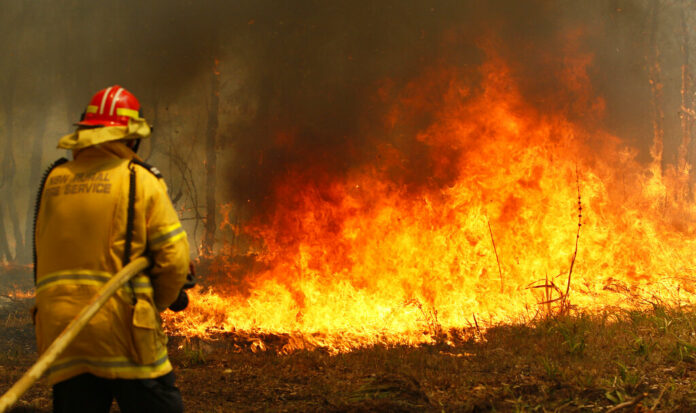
(305, 86)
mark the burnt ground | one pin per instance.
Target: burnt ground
(635, 361)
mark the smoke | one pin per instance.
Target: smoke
(323, 77)
(306, 85)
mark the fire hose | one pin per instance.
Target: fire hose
(70, 332)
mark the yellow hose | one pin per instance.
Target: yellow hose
(68, 335)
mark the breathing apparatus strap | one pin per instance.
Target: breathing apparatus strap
(129, 226)
(38, 205)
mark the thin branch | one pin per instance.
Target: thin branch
(548, 294)
(478, 330)
(629, 403)
(551, 300)
(659, 397)
(577, 239)
(500, 271)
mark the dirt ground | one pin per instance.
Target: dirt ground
(628, 361)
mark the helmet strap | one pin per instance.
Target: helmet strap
(136, 145)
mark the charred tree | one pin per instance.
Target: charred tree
(211, 162)
(655, 79)
(8, 213)
(9, 167)
(6, 173)
(5, 254)
(34, 180)
(686, 112)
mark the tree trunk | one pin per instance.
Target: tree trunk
(5, 254)
(6, 175)
(36, 168)
(16, 228)
(686, 111)
(211, 162)
(9, 169)
(654, 72)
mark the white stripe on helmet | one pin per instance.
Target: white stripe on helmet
(101, 107)
(114, 100)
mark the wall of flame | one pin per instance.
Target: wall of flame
(488, 236)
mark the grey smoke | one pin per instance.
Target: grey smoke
(309, 69)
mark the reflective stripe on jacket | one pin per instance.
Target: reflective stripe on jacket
(80, 239)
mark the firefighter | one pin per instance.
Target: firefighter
(95, 214)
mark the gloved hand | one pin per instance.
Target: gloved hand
(182, 300)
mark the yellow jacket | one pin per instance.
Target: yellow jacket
(80, 237)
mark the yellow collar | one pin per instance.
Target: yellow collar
(112, 149)
(85, 137)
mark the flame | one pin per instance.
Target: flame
(19, 294)
(487, 237)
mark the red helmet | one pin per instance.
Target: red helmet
(112, 106)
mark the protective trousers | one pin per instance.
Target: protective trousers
(87, 393)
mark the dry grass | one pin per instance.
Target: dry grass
(630, 361)
(623, 360)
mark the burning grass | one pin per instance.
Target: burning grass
(366, 291)
(642, 360)
(480, 229)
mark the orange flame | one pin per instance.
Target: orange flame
(364, 259)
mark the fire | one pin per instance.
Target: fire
(19, 294)
(369, 258)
